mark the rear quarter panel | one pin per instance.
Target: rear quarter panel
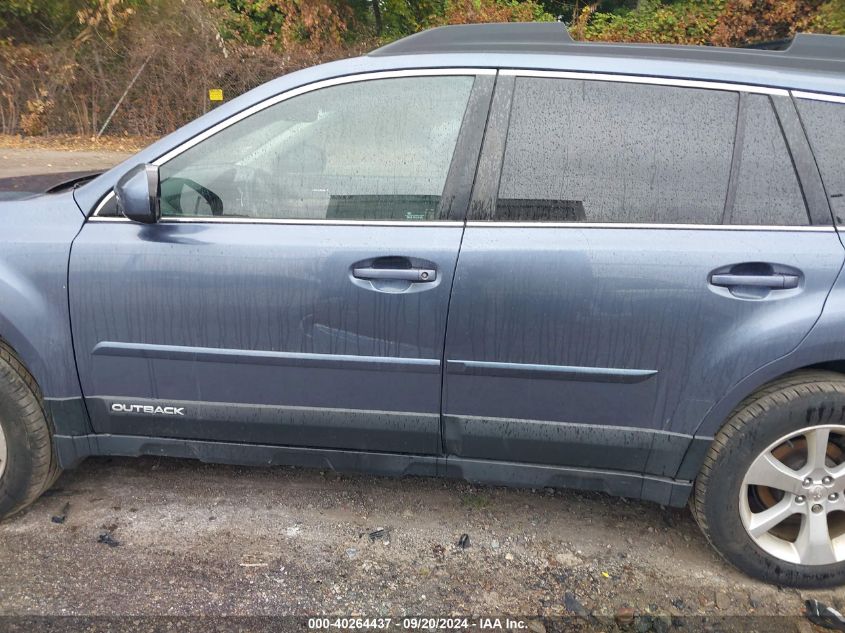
(825, 343)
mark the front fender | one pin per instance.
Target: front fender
(35, 244)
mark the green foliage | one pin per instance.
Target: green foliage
(685, 22)
(250, 21)
(51, 20)
(33, 19)
(716, 22)
(830, 18)
(402, 17)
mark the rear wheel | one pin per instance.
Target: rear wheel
(27, 462)
(771, 494)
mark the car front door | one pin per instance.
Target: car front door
(295, 290)
(636, 250)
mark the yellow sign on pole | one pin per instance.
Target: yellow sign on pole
(215, 94)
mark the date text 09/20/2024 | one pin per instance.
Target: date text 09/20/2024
(418, 623)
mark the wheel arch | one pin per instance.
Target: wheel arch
(721, 412)
(66, 415)
(22, 349)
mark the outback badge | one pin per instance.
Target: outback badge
(146, 409)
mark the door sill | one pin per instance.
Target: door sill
(71, 450)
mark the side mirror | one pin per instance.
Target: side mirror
(138, 194)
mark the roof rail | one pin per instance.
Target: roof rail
(815, 46)
(804, 52)
(482, 38)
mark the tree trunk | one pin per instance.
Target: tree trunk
(377, 16)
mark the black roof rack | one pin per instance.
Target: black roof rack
(815, 46)
(482, 38)
(825, 53)
(517, 37)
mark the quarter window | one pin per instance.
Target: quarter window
(371, 150)
(825, 125)
(767, 189)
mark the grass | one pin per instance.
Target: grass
(475, 501)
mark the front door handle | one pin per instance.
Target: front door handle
(418, 275)
(776, 282)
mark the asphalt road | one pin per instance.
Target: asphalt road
(160, 537)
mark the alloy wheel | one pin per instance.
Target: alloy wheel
(792, 499)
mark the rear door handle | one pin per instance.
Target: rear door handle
(776, 282)
(419, 275)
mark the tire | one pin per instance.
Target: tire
(779, 425)
(28, 464)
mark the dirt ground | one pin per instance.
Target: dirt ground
(185, 538)
(155, 536)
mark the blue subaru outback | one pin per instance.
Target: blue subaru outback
(484, 252)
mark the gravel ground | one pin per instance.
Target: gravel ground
(156, 536)
(160, 537)
(22, 162)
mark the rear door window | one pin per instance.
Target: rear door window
(596, 151)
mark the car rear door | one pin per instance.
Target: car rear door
(635, 249)
(295, 292)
